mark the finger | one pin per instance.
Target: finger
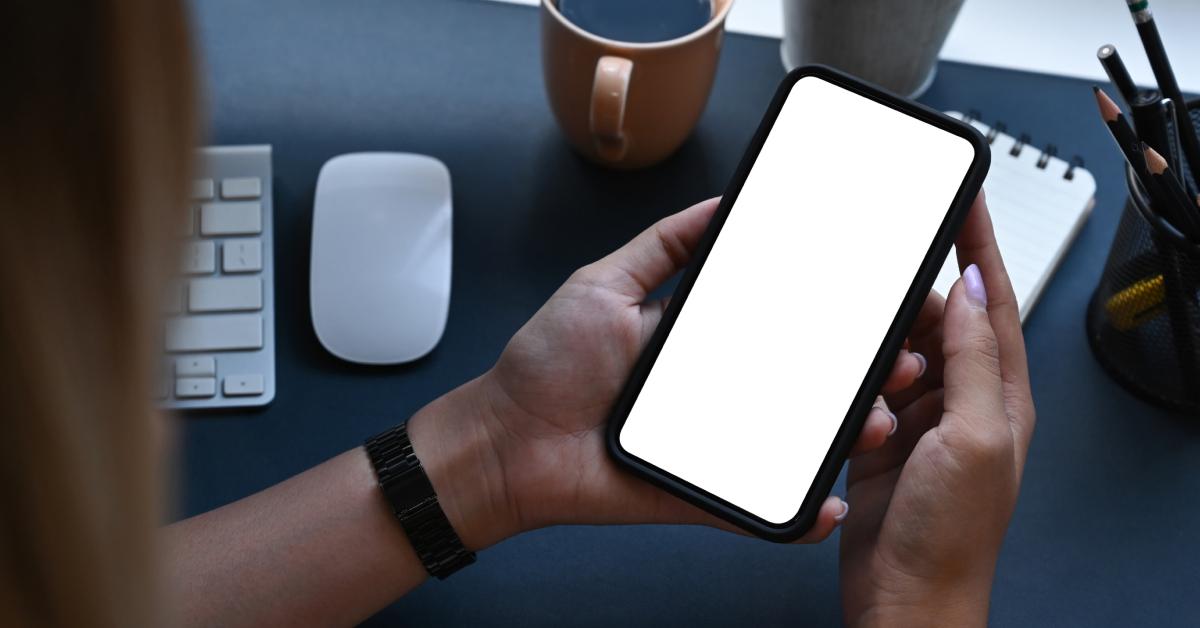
(673, 510)
(913, 421)
(879, 425)
(656, 254)
(974, 400)
(925, 338)
(833, 512)
(977, 245)
(909, 367)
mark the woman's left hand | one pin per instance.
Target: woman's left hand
(538, 418)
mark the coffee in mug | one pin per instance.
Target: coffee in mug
(637, 21)
(627, 80)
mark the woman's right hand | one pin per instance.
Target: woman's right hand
(931, 506)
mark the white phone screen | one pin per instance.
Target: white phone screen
(796, 298)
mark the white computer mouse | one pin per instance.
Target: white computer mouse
(380, 276)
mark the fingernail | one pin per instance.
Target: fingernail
(924, 363)
(973, 282)
(845, 511)
(895, 421)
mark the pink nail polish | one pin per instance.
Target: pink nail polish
(973, 282)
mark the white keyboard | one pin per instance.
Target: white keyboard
(220, 328)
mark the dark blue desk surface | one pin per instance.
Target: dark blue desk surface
(1106, 529)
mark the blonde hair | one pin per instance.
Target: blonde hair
(97, 128)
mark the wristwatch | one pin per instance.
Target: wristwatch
(411, 497)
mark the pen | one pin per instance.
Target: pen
(1174, 156)
(1150, 121)
(1117, 73)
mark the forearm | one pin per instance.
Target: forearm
(319, 548)
(323, 548)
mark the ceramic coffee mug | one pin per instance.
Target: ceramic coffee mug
(628, 105)
(892, 44)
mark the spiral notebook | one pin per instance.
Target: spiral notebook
(1038, 203)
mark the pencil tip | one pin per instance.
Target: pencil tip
(1108, 109)
(1154, 161)
(1095, 89)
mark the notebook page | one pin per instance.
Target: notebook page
(1036, 213)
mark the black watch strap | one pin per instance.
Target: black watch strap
(411, 497)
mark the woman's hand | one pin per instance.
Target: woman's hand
(931, 506)
(522, 446)
(539, 416)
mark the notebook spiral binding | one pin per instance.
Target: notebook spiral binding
(1024, 140)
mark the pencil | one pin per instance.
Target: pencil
(1173, 193)
(1161, 64)
(1131, 149)
(1180, 289)
(1124, 136)
(1117, 73)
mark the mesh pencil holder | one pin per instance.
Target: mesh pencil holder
(1143, 321)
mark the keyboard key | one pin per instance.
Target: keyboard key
(186, 387)
(243, 218)
(202, 189)
(242, 255)
(196, 366)
(242, 187)
(199, 258)
(243, 385)
(225, 294)
(214, 333)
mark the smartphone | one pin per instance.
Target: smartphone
(785, 324)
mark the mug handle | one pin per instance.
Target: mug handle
(610, 90)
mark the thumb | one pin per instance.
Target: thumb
(974, 392)
(656, 254)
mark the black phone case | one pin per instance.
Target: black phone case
(884, 358)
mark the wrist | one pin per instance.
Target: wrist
(450, 437)
(921, 604)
